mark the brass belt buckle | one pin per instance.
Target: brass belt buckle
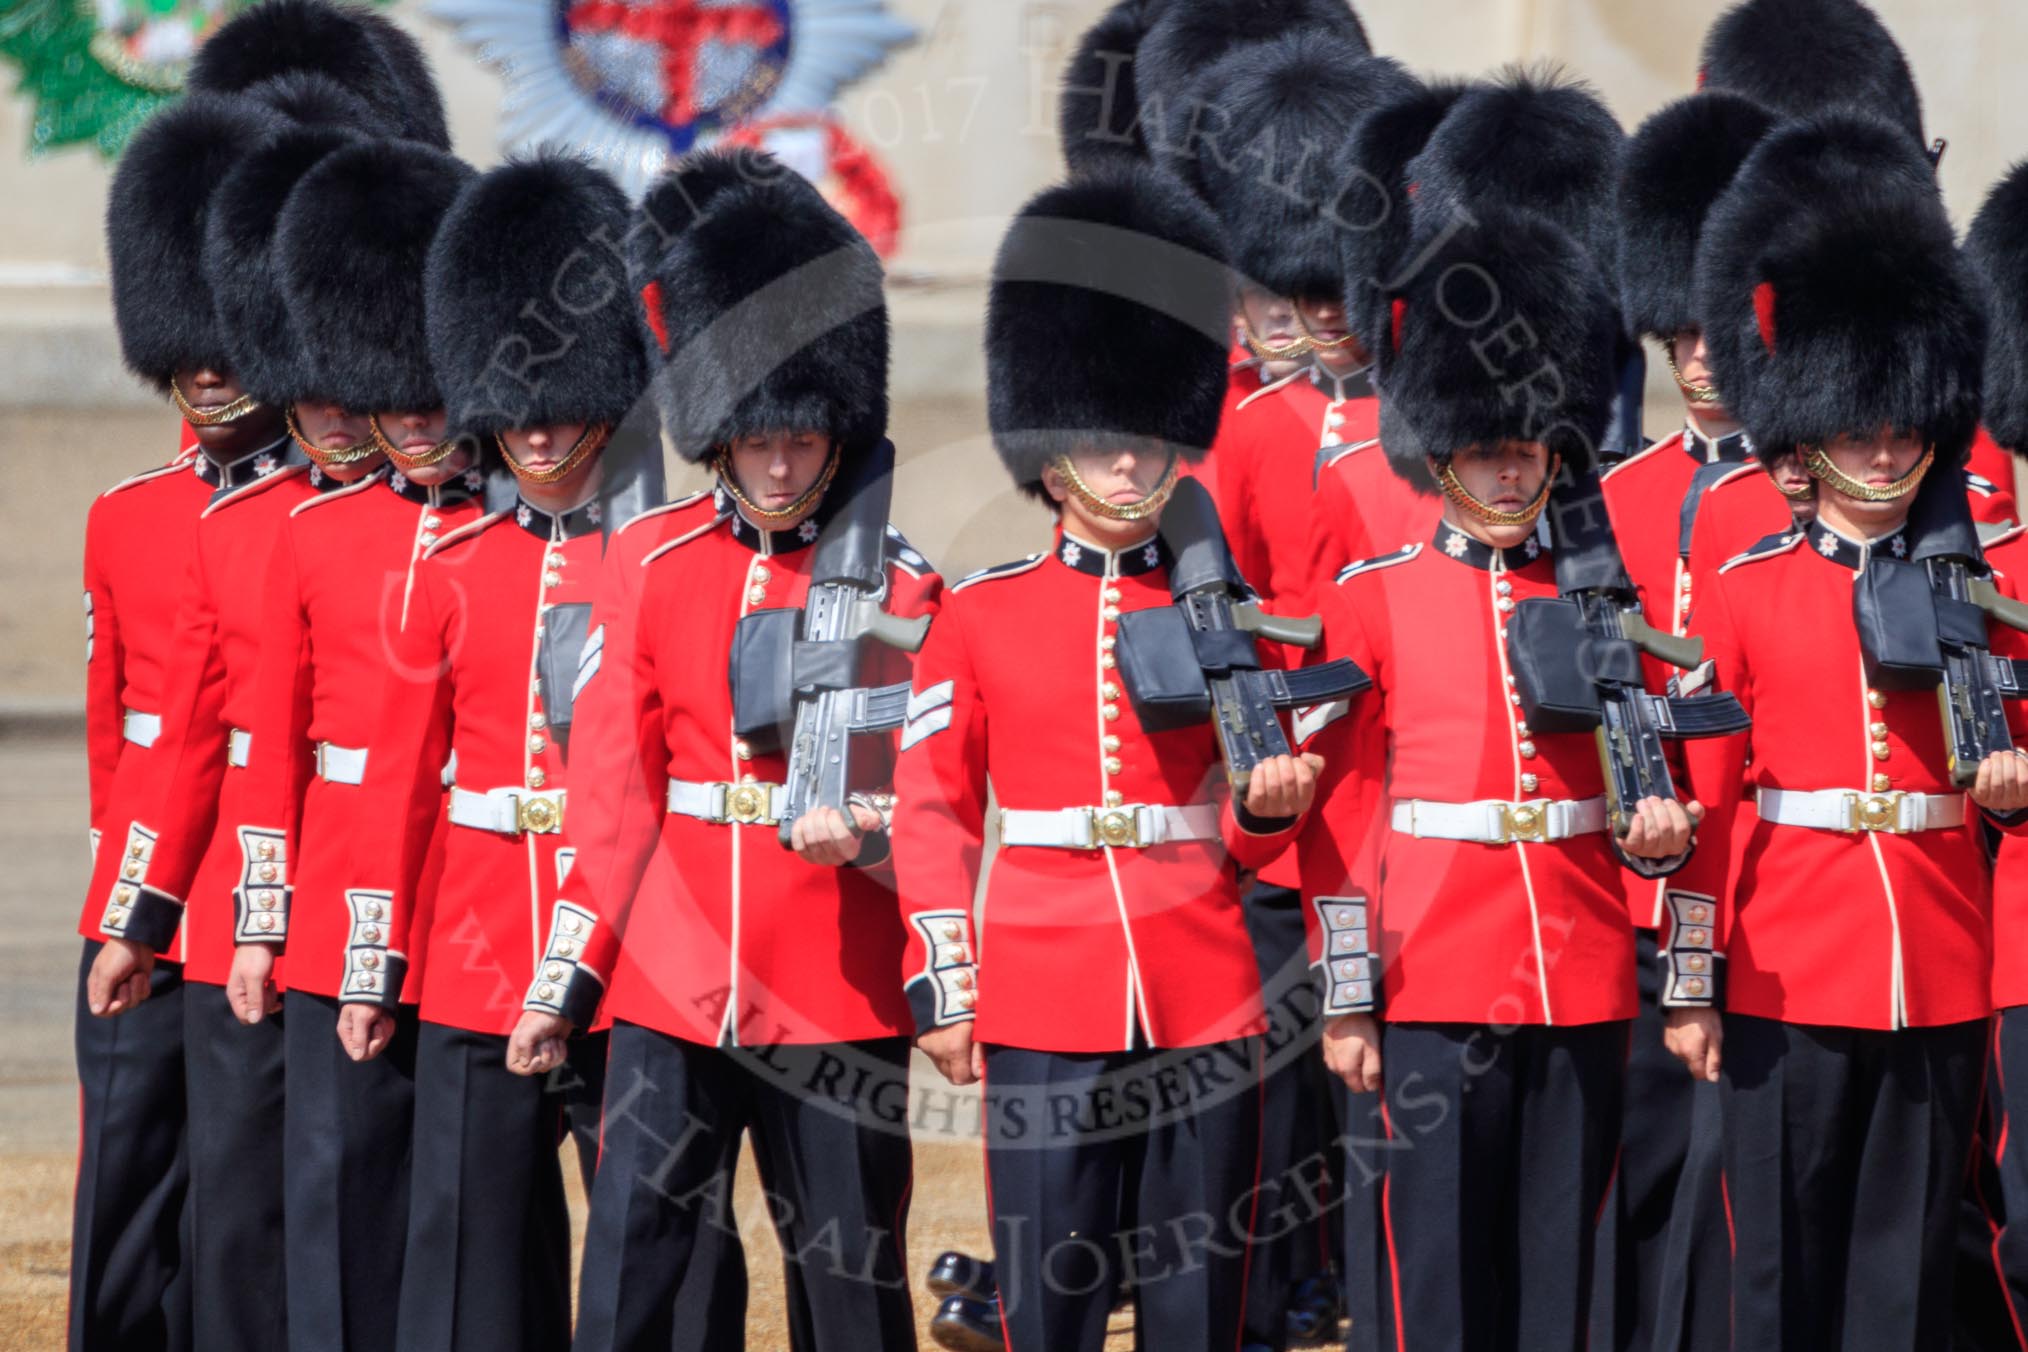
(1875, 812)
(1116, 827)
(538, 815)
(1523, 821)
(745, 803)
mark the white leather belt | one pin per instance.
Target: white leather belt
(723, 803)
(139, 728)
(1129, 826)
(1849, 810)
(341, 764)
(508, 811)
(1493, 821)
(238, 748)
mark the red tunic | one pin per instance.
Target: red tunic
(2009, 556)
(1519, 933)
(139, 540)
(711, 930)
(1860, 929)
(181, 857)
(1363, 509)
(1268, 453)
(1989, 478)
(325, 645)
(464, 681)
(1083, 949)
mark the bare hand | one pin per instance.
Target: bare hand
(119, 976)
(961, 1060)
(1283, 786)
(250, 987)
(537, 1044)
(365, 1030)
(1694, 1037)
(1661, 828)
(2002, 785)
(1352, 1051)
(823, 837)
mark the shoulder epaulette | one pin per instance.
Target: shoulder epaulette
(1271, 387)
(904, 555)
(698, 531)
(339, 493)
(1011, 568)
(180, 465)
(463, 533)
(1337, 453)
(1765, 548)
(1379, 561)
(663, 510)
(1739, 473)
(2005, 535)
(1980, 484)
(1638, 456)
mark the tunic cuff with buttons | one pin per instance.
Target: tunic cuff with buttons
(374, 969)
(261, 901)
(564, 985)
(137, 912)
(1692, 968)
(946, 990)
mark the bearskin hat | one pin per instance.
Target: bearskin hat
(531, 315)
(306, 97)
(1107, 322)
(1266, 149)
(1998, 249)
(1800, 57)
(1832, 297)
(1532, 139)
(1677, 164)
(766, 310)
(351, 44)
(371, 208)
(1510, 287)
(1374, 199)
(162, 195)
(1099, 113)
(1185, 36)
(240, 263)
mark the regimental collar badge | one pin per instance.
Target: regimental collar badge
(1095, 561)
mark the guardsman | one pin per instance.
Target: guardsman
(140, 538)
(1467, 914)
(1663, 1262)
(1848, 1040)
(1274, 111)
(1120, 965)
(533, 347)
(740, 954)
(1997, 247)
(345, 346)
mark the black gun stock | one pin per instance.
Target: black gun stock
(844, 607)
(1199, 660)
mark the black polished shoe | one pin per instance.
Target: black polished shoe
(960, 1274)
(966, 1325)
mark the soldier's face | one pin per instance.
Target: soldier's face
(1693, 366)
(1876, 460)
(1323, 320)
(414, 433)
(1796, 485)
(1507, 476)
(1118, 476)
(207, 387)
(1271, 319)
(330, 427)
(776, 469)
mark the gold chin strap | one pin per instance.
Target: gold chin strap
(722, 463)
(1324, 344)
(1113, 511)
(402, 459)
(1694, 394)
(1447, 479)
(1820, 468)
(1289, 351)
(345, 455)
(588, 443)
(211, 417)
